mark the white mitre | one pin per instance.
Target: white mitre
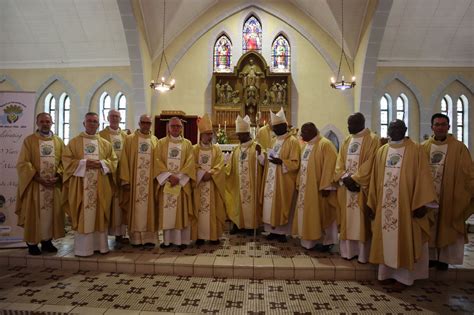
(278, 118)
(242, 124)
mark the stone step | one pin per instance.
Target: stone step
(237, 257)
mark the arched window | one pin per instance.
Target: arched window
(280, 61)
(122, 108)
(65, 118)
(222, 54)
(447, 109)
(402, 109)
(252, 35)
(50, 107)
(104, 106)
(461, 119)
(385, 102)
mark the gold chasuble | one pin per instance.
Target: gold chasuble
(453, 175)
(117, 214)
(138, 169)
(314, 213)
(280, 181)
(355, 159)
(265, 136)
(176, 209)
(209, 195)
(400, 183)
(87, 199)
(39, 207)
(243, 173)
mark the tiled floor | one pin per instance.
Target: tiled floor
(88, 292)
(239, 276)
(238, 256)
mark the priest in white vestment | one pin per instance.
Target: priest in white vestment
(209, 191)
(453, 176)
(400, 190)
(116, 137)
(353, 171)
(176, 175)
(243, 181)
(38, 202)
(89, 163)
(281, 162)
(138, 183)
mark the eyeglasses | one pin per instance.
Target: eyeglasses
(145, 122)
(176, 126)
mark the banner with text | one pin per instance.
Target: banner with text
(16, 123)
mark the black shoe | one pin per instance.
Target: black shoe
(200, 242)
(163, 245)
(442, 266)
(249, 232)
(47, 246)
(433, 263)
(282, 238)
(34, 250)
(149, 245)
(325, 248)
(137, 245)
(182, 246)
(272, 236)
(216, 242)
(234, 230)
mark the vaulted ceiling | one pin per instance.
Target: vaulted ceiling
(65, 33)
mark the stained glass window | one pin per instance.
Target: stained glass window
(252, 35)
(222, 54)
(280, 55)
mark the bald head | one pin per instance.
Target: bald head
(145, 124)
(114, 118)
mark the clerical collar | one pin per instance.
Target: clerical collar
(312, 141)
(396, 142)
(178, 138)
(114, 130)
(247, 144)
(46, 135)
(361, 132)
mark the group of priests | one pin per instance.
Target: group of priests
(400, 205)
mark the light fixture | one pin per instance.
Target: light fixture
(162, 85)
(342, 84)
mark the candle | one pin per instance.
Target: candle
(219, 128)
(225, 126)
(264, 122)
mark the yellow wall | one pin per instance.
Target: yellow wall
(79, 83)
(312, 96)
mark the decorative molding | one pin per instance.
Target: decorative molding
(45, 64)
(9, 79)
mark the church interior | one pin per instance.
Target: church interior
(401, 60)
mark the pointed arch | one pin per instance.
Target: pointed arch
(252, 34)
(106, 78)
(222, 53)
(281, 54)
(69, 89)
(10, 80)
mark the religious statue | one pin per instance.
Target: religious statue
(251, 76)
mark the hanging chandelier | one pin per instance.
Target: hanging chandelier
(342, 84)
(162, 85)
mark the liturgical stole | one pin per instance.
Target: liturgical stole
(302, 185)
(47, 170)
(437, 160)
(204, 216)
(91, 152)
(352, 198)
(117, 144)
(142, 184)
(244, 182)
(390, 205)
(270, 183)
(171, 194)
